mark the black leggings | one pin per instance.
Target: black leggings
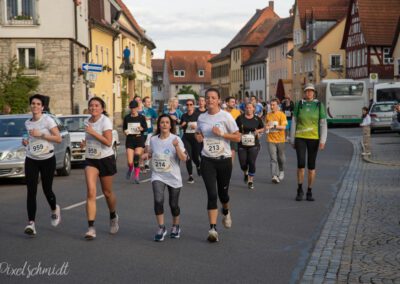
(46, 169)
(192, 148)
(247, 158)
(311, 145)
(216, 173)
(158, 190)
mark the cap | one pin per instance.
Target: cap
(133, 104)
(309, 86)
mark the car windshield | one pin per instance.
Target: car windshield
(12, 127)
(74, 124)
(382, 108)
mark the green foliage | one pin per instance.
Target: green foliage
(15, 88)
(188, 90)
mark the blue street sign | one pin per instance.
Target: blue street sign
(92, 67)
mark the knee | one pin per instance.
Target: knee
(107, 194)
(158, 207)
(175, 210)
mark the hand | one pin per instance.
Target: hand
(175, 142)
(199, 136)
(140, 128)
(83, 144)
(25, 142)
(183, 124)
(174, 117)
(126, 131)
(35, 133)
(89, 129)
(321, 146)
(217, 131)
(193, 126)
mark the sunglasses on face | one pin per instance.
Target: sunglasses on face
(189, 104)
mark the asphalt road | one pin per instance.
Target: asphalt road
(270, 240)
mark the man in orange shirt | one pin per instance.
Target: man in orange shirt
(275, 124)
(231, 108)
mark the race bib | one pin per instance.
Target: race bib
(93, 149)
(213, 147)
(148, 123)
(38, 147)
(248, 140)
(288, 113)
(161, 163)
(177, 130)
(134, 128)
(191, 128)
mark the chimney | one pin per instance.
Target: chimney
(271, 5)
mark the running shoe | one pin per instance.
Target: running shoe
(175, 232)
(299, 196)
(245, 178)
(275, 179)
(250, 185)
(309, 196)
(114, 227)
(136, 180)
(30, 229)
(90, 234)
(227, 220)
(160, 235)
(212, 236)
(198, 171)
(146, 168)
(190, 179)
(128, 174)
(281, 175)
(56, 216)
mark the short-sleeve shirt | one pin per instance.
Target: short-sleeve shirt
(225, 122)
(247, 126)
(150, 115)
(40, 149)
(308, 115)
(235, 113)
(276, 135)
(165, 149)
(101, 125)
(138, 120)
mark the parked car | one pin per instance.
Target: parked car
(76, 127)
(12, 152)
(381, 115)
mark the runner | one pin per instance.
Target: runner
(250, 127)
(308, 133)
(42, 133)
(151, 116)
(166, 150)
(175, 113)
(216, 128)
(134, 127)
(258, 107)
(202, 105)
(189, 124)
(100, 163)
(287, 107)
(275, 124)
(366, 127)
(231, 108)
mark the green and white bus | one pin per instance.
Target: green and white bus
(343, 99)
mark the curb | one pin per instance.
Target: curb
(371, 161)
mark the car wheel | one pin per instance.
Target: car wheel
(66, 169)
(115, 150)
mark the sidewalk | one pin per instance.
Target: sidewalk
(360, 242)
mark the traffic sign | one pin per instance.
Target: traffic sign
(92, 67)
(373, 78)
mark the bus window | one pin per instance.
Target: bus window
(340, 89)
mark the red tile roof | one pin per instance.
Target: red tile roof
(191, 62)
(157, 65)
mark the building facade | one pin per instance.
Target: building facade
(158, 86)
(396, 52)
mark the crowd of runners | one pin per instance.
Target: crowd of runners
(208, 137)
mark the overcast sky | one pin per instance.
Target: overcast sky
(194, 24)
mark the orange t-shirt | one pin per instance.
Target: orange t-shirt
(276, 135)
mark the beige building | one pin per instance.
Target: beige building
(220, 72)
(317, 32)
(396, 52)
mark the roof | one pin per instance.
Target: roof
(250, 34)
(395, 38)
(135, 24)
(321, 10)
(157, 65)
(191, 62)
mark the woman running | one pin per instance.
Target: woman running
(202, 105)
(134, 127)
(189, 125)
(42, 133)
(250, 127)
(166, 149)
(216, 128)
(100, 163)
(175, 113)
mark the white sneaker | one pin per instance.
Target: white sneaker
(212, 236)
(56, 216)
(227, 220)
(114, 227)
(30, 229)
(275, 179)
(90, 234)
(281, 175)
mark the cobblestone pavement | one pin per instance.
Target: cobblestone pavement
(360, 242)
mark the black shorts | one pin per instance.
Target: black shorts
(107, 166)
(135, 142)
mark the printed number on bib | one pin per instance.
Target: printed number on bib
(38, 147)
(213, 147)
(161, 163)
(191, 128)
(93, 149)
(248, 140)
(133, 128)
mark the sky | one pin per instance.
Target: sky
(197, 24)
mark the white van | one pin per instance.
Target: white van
(387, 92)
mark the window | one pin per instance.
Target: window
(386, 58)
(27, 57)
(336, 62)
(179, 73)
(21, 10)
(201, 73)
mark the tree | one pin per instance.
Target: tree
(188, 90)
(15, 88)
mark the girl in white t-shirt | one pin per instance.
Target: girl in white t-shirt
(42, 133)
(366, 126)
(166, 149)
(100, 163)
